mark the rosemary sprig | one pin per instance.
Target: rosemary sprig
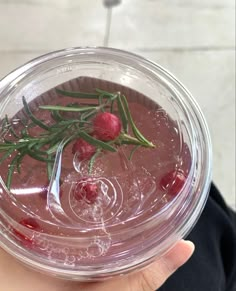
(44, 146)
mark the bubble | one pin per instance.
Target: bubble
(94, 250)
(65, 250)
(70, 260)
(42, 244)
(99, 246)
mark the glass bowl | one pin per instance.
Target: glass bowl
(140, 219)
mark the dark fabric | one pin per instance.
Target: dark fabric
(213, 264)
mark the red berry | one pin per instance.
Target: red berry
(86, 191)
(31, 224)
(173, 182)
(107, 126)
(84, 149)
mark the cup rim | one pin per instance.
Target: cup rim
(195, 213)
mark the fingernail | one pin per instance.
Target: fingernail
(190, 243)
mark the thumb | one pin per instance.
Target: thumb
(150, 278)
(157, 273)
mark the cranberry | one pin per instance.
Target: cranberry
(83, 148)
(31, 224)
(107, 126)
(86, 191)
(173, 182)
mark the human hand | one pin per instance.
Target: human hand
(15, 277)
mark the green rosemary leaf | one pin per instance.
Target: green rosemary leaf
(13, 132)
(6, 155)
(133, 151)
(34, 147)
(92, 160)
(74, 104)
(100, 98)
(132, 142)
(11, 129)
(128, 139)
(32, 117)
(67, 108)
(74, 136)
(105, 93)
(6, 119)
(4, 124)
(24, 122)
(30, 125)
(8, 142)
(37, 145)
(24, 133)
(122, 114)
(109, 102)
(18, 166)
(54, 137)
(38, 157)
(135, 130)
(87, 115)
(31, 145)
(53, 149)
(64, 123)
(49, 168)
(4, 147)
(19, 160)
(7, 146)
(113, 97)
(11, 171)
(96, 142)
(56, 115)
(68, 123)
(112, 106)
(77, 94)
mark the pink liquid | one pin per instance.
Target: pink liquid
(129, 191)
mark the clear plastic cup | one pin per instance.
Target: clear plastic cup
(116, 235)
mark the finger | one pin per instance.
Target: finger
(157, 273)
